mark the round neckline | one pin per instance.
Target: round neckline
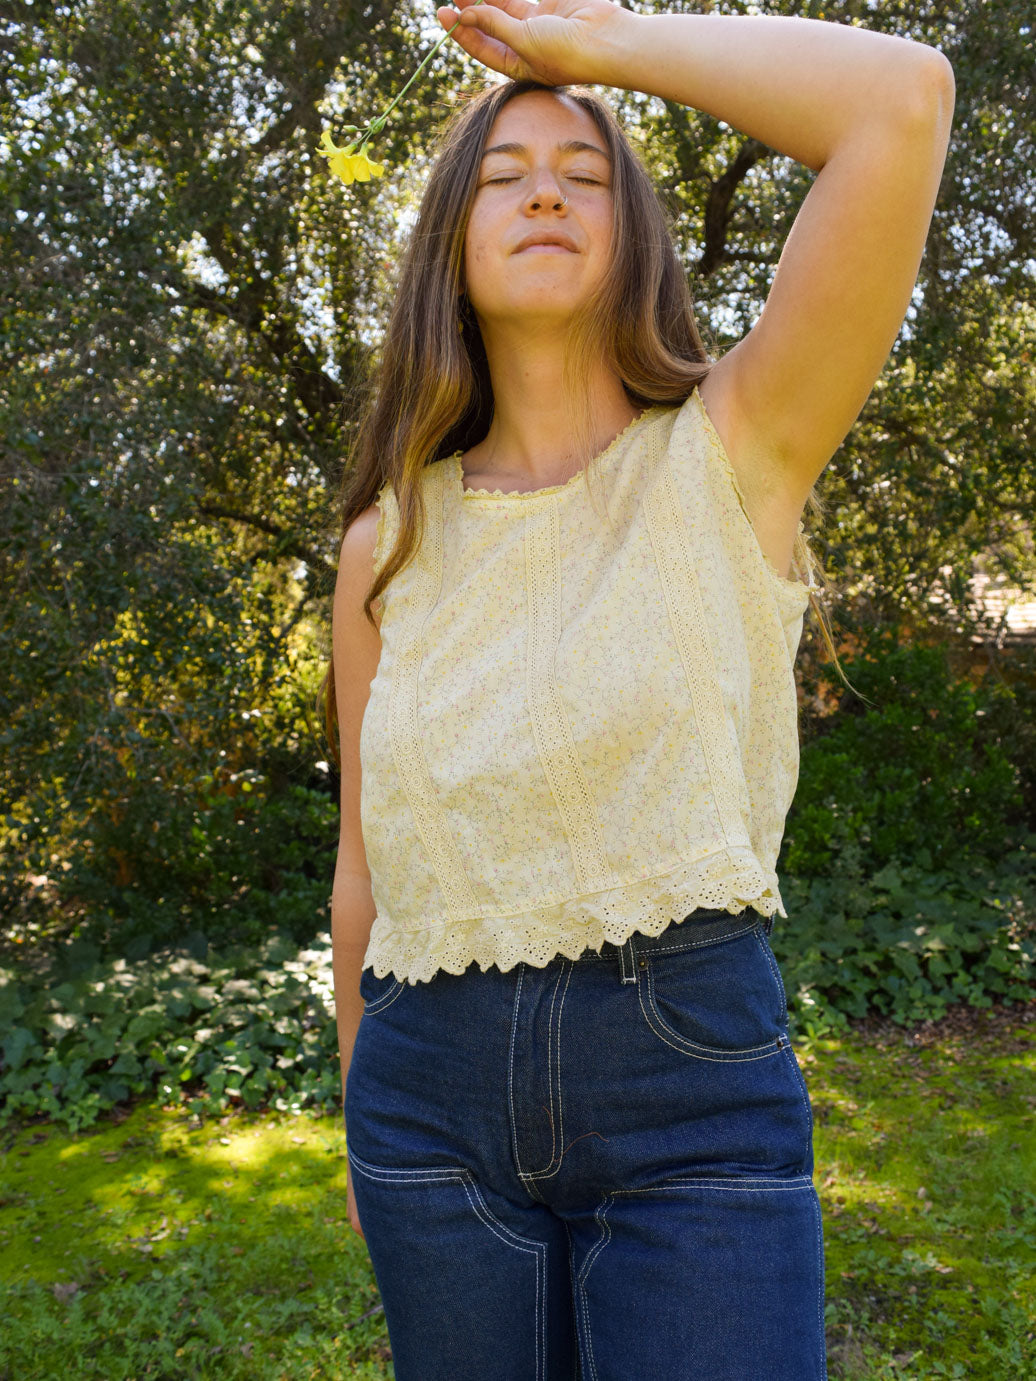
(528, 494)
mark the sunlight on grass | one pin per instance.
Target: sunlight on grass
(160, 1245)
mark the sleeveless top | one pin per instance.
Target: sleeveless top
(584, 720)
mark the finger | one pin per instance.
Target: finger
(517, 9)
(493, 22)
(479, 44)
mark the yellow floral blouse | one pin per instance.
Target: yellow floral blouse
(583, 722)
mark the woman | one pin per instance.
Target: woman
(579, 1141)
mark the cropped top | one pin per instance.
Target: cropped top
(583, 722)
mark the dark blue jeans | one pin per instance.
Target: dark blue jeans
(599, 1169)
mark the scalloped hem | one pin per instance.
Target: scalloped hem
(567, 928)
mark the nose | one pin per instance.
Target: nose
(545, 191)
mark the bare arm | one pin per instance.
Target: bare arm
(869, 113)
(356, 651)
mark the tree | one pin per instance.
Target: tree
(190, 308)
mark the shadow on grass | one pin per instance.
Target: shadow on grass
(152, 1245)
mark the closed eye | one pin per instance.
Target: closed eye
(499, 181)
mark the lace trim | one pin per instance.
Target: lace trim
(527, 494)
(551, 729)
(728, 881)
(407, 750)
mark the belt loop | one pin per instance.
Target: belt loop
(627, 962)
(768, 924)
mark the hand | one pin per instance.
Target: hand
(556, 42)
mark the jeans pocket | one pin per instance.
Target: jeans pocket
(377, 993)
(721, 999)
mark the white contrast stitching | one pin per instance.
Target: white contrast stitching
(775, 972)
(389, 996)
(510, 1072)
(600, 1215)
(510, 1238)
(696, 1051)
(729, 1186)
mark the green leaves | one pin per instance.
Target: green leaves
(248, 1027)
(909, 942)
(924, 774)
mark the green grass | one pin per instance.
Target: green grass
(158, 1247)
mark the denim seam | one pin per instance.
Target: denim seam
(742, 1185)
(775, 971)
(482, 1211)
(800, 1084)
(535, 1174)
(600, 1214)
(557, 1133)
(698, 944)
(817, 1216)
(572, 1281)
(387, 997)
(696, 1051)
(510, 1079)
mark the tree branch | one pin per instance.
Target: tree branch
(717, 207)
(287, 544)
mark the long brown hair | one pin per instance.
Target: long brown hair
(430, 393)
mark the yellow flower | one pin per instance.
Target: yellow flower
(349, 166)
(357, 167)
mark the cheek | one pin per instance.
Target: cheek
(475, 241)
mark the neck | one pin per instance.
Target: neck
(532, 440)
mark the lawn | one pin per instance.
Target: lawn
(152, 1245)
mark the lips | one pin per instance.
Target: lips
(547, 237)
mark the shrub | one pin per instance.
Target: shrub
(922, 775)
(244, 1027)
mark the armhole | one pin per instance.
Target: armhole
(802, 558)
(382, 541)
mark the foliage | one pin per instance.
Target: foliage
(908, 942)
(246, 1027)
(922, 772)
(189, 312)
(167, 723)
(217, 859)
(1011, 716)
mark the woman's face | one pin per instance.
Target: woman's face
(519, 193)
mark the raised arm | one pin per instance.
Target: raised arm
(869, 113)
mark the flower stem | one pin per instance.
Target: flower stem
(376, 125)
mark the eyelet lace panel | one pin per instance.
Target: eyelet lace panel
(682, 593)
(727, 881)
(553, 733)
(407, 749)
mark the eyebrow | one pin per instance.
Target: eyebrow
(569, 146)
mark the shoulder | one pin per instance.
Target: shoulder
(357, 563)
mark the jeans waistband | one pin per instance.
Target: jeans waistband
(701, 927)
